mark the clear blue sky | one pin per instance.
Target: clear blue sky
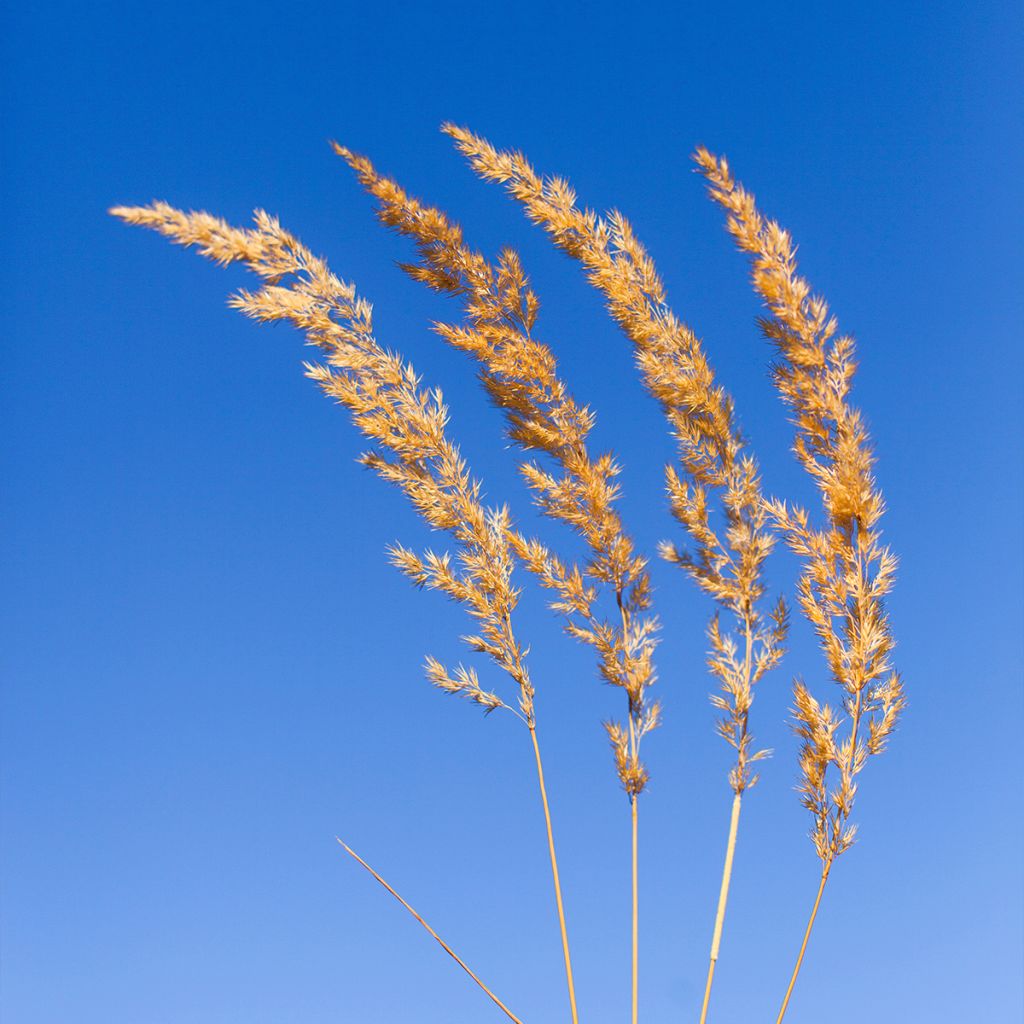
(210, 671)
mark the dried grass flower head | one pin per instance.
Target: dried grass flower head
(406, 423)
(727, 555)
(713, 485)
(847, 570)
(408, 426)
(520, 374)
(727, 558)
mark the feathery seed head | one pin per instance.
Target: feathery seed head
(520, 375)
(406, 423)
(727, 560)
(847, 572)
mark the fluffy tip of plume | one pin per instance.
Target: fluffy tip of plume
(669, 552)
(703, 157)
(144, 215)
(358, 163)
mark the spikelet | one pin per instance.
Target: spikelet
(406, 423)
(520, 375)
(847, 571)
(727, 560)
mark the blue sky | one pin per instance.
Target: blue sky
(210, 671)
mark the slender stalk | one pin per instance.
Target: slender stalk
(723, 896)
(803, 945)
(554, 875)
(444, 945)
(636, 918)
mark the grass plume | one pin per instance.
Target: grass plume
(713, 485)
(520, 375)
(727, 559)
(847, 572)
(408, 426)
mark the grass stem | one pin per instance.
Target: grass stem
(444, 945)
(554, 875)
(803, 945)
(723, 896)
(636, 918)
